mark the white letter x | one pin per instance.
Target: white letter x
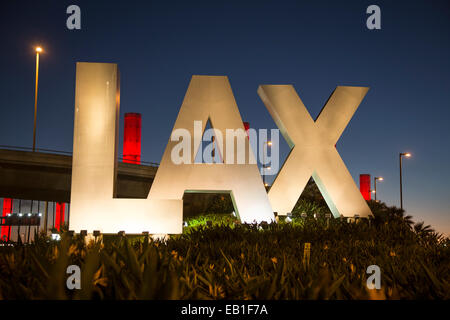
(315, 153)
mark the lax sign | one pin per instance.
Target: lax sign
(97, 103)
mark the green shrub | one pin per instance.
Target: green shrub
(238, 261)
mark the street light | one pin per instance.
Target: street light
(407, 155)
(38, 50)
(266, 145)
(375, 185)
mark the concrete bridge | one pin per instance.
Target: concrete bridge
(46, 176)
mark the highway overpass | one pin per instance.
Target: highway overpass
(46, 176)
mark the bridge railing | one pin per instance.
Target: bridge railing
(68, 153)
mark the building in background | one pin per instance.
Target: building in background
(7, 208)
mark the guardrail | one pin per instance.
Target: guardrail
(42, 150)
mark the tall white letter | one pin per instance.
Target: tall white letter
(313, 149)
(210, 97)
(92, 206)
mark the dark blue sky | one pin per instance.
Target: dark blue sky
(314, 45)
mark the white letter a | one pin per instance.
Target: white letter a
(373, 21)
(74, 20)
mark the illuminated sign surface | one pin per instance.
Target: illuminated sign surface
(313, 149)
(92, 206)
(97, 103)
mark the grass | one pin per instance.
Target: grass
(228, 260)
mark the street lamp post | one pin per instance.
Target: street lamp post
(38, 50)
(407, 155)
(375, 185)
(266, 145)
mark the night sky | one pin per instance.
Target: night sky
(314, 45)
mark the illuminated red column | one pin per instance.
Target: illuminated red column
(132, 138)
(59, 215)
(246, 127)
(364, 186)
(7, 208)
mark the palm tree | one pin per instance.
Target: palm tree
(382, 213)
(420, 228)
